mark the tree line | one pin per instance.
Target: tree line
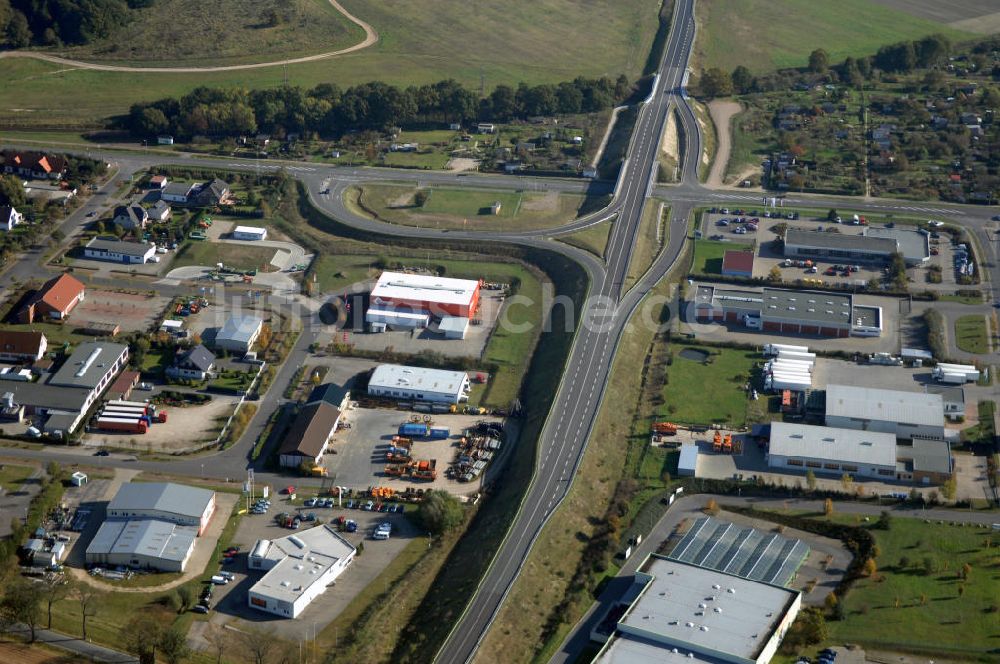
(56, 22)
(329, 110)
(898, 58)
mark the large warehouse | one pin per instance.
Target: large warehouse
(412, 300)
(395, 381)
(183, 505)
(801, 447)
(299, 568)
(684, 614)
(787, 311)
(309, 435)
(906, 415)
(801, 243)
(142, 543)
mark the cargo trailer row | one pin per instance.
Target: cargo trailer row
(771, 350)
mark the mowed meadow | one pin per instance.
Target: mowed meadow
(420, 41)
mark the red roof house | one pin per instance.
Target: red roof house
(56, 299)
(738, 264)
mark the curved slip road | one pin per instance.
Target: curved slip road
(371, 36)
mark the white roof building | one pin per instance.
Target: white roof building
(249, 233)
(684, 613)
(802, 447)
(239, 333)
(177, 503)
(395, 381)
(299, 569)
(143, 543)
(907, 415)
(435, 295)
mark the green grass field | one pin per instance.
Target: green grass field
(239, 256)
(907, 607)
(468, 209)
(12, 477)
(971, 334)
(593, 239)
(708, 255)
(222, 32)
(420, 41)
(699, 393)
(647, 243)
(770, 34)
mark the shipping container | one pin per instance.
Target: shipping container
(413, 430)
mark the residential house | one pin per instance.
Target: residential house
(158, 182)
(9, 217)
(36, 165)
(131, 217)
(56, 299)
(22, 345)
(159, 212)
(195, 363)
(210, 194)
(177, 192)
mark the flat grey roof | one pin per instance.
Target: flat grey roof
(950, 393)
(119, 247)
(866, 316)
(914, 245)
(88, 364)
(162, 496)
(239, 328)
(61, 422)
(932, 456)
(807, 306)
(438, 381)
(704, 610)
(833, 444)
(41, 395)
(744, 552)
(868, 403)
(840, 241)
(146, 537)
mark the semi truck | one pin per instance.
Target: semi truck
(123, 425)
(951, 378)
(135, 404)
(770, 350)
(969, 372)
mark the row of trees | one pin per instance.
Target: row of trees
(330, 110)
(901, 57)
(56, 22)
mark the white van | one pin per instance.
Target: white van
(219, 580)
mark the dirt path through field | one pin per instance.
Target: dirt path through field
(371, 36)
(722, 112)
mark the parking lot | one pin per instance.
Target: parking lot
(358, 455)
(230, 601)
(132, 311)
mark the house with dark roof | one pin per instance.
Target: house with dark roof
(116, 251)
(130, 217)
(9, 218)
(56, 299)
(210, 194)
(309, 436)
(195, 363)
(22, 345)
(332, 393)
(177, 192)
(159, 212)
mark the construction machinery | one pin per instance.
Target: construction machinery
(717, 442)
(665, 428)
(424, 470)
(382, 492)
(402, 441)
(397, 469)
(727, 444)
(397, 454)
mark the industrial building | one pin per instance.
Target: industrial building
(906, 415)
(22, 345)
(118, 251)
(679, 613)
(395, 381)
(914, 245)
(738, 264)
(165, 501)
(802, 447)
(838, 247)
(299, 569)
(787, 311)
(309, 435)
(741, 551)
(413, 300)
(142, 543)
(239, 333)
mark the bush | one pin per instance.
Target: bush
(440, 512)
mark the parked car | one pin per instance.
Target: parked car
(199, 608)
(309, 502)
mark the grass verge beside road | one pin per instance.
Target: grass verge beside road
(593, 239)
(652, 236)
(972, 334)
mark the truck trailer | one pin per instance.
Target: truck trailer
(970, 372)
(134, 404)
(793, 355)
(413, 430)
(121, 424)
(770, 350)
(951, 378)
